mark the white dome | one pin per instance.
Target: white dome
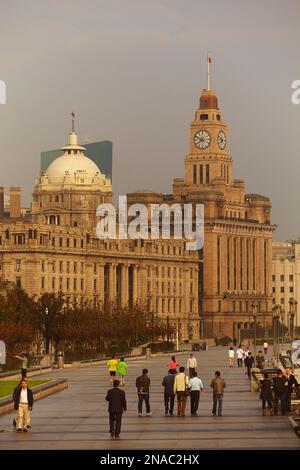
(72, 166)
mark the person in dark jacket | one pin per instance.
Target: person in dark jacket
(143, 385)
(266, 394)
(23, 402)
(292, 385)
(249, 361)
(169, 395)
(260, 360)
(117, 404)
(280, 388)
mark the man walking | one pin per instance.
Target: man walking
(143, 386)
(117, 404)
(112, 368)
(196, 388)
(266, 345)
(292, 385)
(249, 361)
(240, 356)
(280, 388)
(191, 365)
(218, 384)
(23, 402)
(181, 388)
(260, 360)
(169, 395)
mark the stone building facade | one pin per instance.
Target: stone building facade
(58, 250)
(235, 264)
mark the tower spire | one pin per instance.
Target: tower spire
(73, 121)
(208, 70)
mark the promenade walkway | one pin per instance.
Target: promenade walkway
(77, 418)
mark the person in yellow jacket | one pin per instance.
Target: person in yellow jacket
(112, 368)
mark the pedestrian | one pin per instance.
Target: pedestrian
(24, 360)
(280, 387)
(117, 405)
(121, 370)
(218, 384)
(191, 365)
(169, 395)
(196, 388)
(181, 388)
(260, 360)
(246, 351)
(240, 355)
(231, 355)
(173, 364)
(23, 402)
(249, 361)
(292, 385)
(143, 390)
(266, 394)
(266, 345)
(112, 368)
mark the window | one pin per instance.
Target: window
(43, 283)
(43, 265)
(60, 266)
(207, 174)
(194, 174)
(53, 241)
(18, 265)
(68, 266)
(68, 283)
(18, 282)
(60, 283)
(282, 301)
(203, 117)
(218, 117)
(95, 268)
(53, 283)
(281, 289)
(60, 242)
(291, 277)
(273, 277)
(53, 267)
(75, 284)
(75, 267)
(68, 242)
(273, 289)
(95, 284)
(75, 243)
(281, 277)
(201, 174)
(81, 284)
(291, 289)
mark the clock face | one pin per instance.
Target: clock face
(221, 140)
(202, 139)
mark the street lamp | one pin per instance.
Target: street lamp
(293, 307)
(254, 313)
(276, 315)
(46, 330)
(282, 316)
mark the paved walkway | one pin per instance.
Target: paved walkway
(77, 418)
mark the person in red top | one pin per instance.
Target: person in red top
(173, 364)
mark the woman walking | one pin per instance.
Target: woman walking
(231, 355)
(173, 364)
(266, 394)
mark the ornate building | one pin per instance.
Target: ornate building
(57, 248)
(235, 264)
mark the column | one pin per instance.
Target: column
(135, 284)
(124, 284)
(101, 282)
(112, 281)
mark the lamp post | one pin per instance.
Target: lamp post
(276, 315)
(254, 313)
(282, 313)
(293, 307)
(46, 330)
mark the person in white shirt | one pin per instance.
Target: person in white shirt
(196, 387)
(266, 345)
(231, 355)
(191, 365)
(240, 356)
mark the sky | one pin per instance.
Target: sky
(133, 70)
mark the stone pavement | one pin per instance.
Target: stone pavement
(77, 418)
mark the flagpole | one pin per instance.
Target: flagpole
(73, 122)
(208, 71)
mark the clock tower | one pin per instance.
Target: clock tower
(208, 156)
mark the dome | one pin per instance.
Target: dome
(74, 168)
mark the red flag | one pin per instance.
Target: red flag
(73, 114)
(209, 59)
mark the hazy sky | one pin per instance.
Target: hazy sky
(132, 71)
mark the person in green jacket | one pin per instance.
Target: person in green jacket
(121, 370)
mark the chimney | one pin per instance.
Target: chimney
(15, 202)
(1, 202)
